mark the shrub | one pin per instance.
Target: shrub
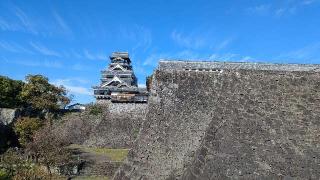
(25, 128)
(95, 110)
(49, 150)
(4, 175)
(14, 165)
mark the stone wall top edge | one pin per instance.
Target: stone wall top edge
(215, 65)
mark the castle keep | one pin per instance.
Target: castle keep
(119, 83)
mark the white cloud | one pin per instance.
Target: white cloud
(153, 59)
(231, 57)
(6, 26)
(309, 53)
(25, 20)
(62, 23)
(224, 43)
(286, 8)
(44, 50)
(69, 84)
(308, 2)
(34, 63)
(189, 41)
(223, 57)
(140, 36)
(76, 54)
(79, 67)
(13, 47)
(78, 90)
(92, 56)
(261, 9)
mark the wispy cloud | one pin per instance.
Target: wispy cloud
(140, 36)
(94, 56)
(145, 38)
(191, 41)
(307, 54)
(153, 59)
(25, 20)
(261, 9)
(62, 23)
(76, 54)
(224, 43)
(35, 63)
(78, 67)
(286, 8)
(8, 26)
(72, 85)
(19, 19)
(13, 47)
(44, 50)
(230, 57)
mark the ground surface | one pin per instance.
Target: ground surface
(100, 163)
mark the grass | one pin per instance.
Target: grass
(117, 155)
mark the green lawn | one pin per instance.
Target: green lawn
(117, 155)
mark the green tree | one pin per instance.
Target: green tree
(15, 165)
(9, 92)
(11, 162)
(25, 127)
(41, 95)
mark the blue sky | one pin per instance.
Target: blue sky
(70, 41)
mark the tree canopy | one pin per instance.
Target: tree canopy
(40, 94)
(36, 93)
(10, 92)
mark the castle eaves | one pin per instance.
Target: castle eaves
(214, 65)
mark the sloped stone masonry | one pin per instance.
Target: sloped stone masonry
(248, 122)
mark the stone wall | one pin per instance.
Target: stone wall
(229, 123)
(119, 126)
(7, 116)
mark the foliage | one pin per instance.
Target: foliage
(9, 92)
(42, 95)
(4, 175)
(14, 165)
(25, 128)
(49, 150)
(37, 93)
(95, 110)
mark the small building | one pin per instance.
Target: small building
(119, 83)
(76, 107)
